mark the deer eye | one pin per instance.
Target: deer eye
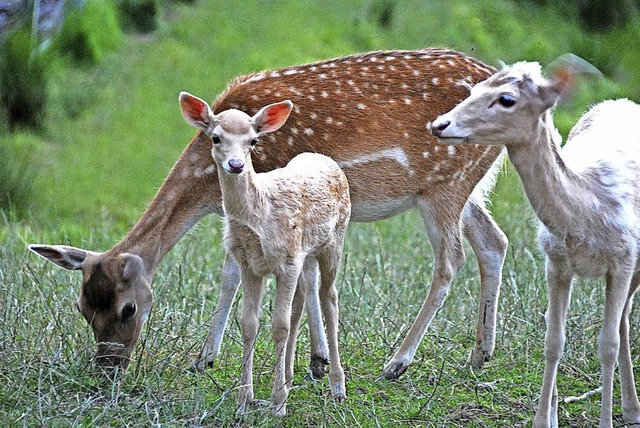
(506, 101)
(215, 139)
(254, 141)
(128, 311)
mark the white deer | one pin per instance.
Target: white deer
(276, 222)
(587, 197)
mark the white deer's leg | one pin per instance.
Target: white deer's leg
(317, 337)
(630, 403)
(444, 234)
(329, 262)
(297, 308)
(252, 296)
(489, 244)
(617, 292)
(559, 290)
(229, 284)
(280, 327)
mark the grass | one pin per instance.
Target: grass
(114, 130)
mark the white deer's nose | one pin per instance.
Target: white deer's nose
(438, 126)
(236, 166)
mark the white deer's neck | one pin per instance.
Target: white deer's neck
(555, 192)
(242, 196)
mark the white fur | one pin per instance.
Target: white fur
(587, 196)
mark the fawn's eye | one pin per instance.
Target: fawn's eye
(506, 101)
(215, 139)
(254, 141)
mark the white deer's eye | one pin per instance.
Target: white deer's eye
(254, 141)
(506, 101)
(215, 139)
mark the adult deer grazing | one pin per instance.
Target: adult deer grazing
(585, 195)
(367, 112)
(276, 222)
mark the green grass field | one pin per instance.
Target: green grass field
(114, 130)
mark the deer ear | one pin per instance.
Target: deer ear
(566, 72)
(272, 117)
(133, 266)
(70, 258)
(196, 111)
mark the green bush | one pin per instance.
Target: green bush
(139, 15)
(89, 32)
(23, 74)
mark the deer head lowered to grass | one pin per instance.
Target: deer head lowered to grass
(368, 113)
(586, 196)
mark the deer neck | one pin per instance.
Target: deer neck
(555, 192)
(242, 196)
(189, 192)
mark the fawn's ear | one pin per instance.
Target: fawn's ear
(70, 258)
(196, 111)
(272, 117)
(566, 72)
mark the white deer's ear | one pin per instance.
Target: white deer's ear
(196, 111)
(70, 258)
(272, 117)
(566, 72)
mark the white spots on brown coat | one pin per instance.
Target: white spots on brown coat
(308, 131)
(361, 106)
(451, 150)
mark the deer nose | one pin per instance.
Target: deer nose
(236, 166)
(439, 126)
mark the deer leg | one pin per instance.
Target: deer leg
(617, 296)
(319, 348)
(252, 296)
(329, 262)
(445, 237)
(229, 284)
(559, 281)
(280, 327)
(630, 403)
(489, 244)
(297, 308)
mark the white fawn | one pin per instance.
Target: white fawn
(586, 195)
(274, 222)
(368, 113)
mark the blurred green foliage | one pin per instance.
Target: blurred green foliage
(109, 119)
(139, 15)
(89, 32)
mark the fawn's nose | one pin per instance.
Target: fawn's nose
(439, 126)
(236, 166)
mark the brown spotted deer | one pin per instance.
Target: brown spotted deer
(276, 222)
(587, 197)
(366, 111)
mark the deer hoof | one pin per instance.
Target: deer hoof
(318, 365)
(394, 370)
(477, 358)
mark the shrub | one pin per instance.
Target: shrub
(23, 74)
(89, 31)
(139, 15)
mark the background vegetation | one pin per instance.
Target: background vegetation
(105, 130)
